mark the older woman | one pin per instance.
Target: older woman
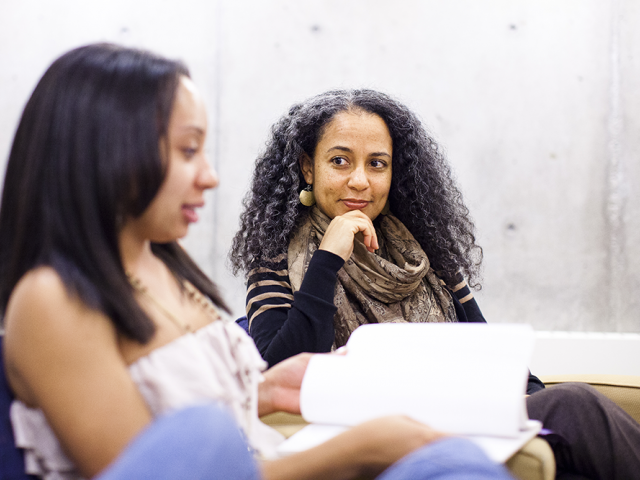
(353, 218)
(335, 169)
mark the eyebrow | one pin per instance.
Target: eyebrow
(347, 149)
(192, 128)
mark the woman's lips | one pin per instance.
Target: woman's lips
(189, 212)
(355, 204)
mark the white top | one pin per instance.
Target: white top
(218, 362)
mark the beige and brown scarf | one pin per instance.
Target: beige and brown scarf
(395, 284)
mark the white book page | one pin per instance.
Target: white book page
(501, 449)
(461, 379)
(479, 340)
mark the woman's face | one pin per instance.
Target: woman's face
(351, 166)
(189, 174)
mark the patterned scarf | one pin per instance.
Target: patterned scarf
(394, 284)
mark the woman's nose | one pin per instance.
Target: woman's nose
(207, 178)
(358, 179)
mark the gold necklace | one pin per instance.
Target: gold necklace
(192, 292)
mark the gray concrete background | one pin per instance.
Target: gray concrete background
(535, 101)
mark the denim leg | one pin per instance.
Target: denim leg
(196, 443)
(447, 459)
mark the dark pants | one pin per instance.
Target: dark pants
(591, 436)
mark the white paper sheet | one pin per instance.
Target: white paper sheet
(459, 378)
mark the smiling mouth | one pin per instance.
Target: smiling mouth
(355, 204)
(189, 211)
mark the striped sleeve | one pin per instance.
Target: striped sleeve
(283, 323)
(462, 291)
(268, 288)
(467, 309)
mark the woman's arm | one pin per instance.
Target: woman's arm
(283, 323)
(467, 309)
(63, 358)
(366, 449)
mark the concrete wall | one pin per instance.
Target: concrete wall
(536, 103)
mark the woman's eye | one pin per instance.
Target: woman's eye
(339, 160)
(189, 152)
(378, 164)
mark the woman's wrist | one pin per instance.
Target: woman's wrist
(265, 398)
(339, 458)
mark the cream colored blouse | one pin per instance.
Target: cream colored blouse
(218, 362)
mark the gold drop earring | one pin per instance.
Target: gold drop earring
(307, 198)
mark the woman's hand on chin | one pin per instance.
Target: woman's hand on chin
(343, 229)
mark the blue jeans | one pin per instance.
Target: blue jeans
(204, 442)
(447, 459)
(196, 443)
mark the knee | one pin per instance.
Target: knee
(449, 458)
(574, 395)
(197, 442)
(567, 400)
(208, 425)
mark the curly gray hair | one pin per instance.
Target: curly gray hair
(423, 193)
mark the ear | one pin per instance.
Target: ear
(306, 166)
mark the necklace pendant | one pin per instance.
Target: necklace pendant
(192, 292)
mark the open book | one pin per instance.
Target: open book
(464, 379)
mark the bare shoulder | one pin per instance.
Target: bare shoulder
(63, 357)
(37, 286)
(39, 289)
(44, 323)
(41, 304)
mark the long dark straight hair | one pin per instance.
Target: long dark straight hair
(85, 156)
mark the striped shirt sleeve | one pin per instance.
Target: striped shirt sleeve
(283, 323)
(268, 288)
(467, 308)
